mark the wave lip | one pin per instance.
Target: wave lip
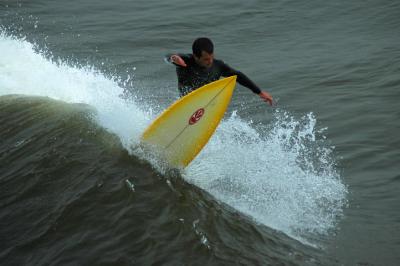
(23, 70)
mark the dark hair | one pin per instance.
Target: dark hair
(202, 44)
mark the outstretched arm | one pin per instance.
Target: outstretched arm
(266, 97)
(175, 59)
(245, 81)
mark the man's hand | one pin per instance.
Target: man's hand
(266, 97)
(176, 59)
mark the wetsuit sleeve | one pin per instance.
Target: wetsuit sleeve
(242, 79)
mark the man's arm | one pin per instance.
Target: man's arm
(175, 59)
(243, 80)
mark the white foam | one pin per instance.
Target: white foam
(24, 71)
(283, 175)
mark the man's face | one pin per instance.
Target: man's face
(205, 60)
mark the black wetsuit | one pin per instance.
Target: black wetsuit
(193, 76)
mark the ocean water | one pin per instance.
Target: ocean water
(311, 181)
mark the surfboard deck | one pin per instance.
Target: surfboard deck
(185, 127)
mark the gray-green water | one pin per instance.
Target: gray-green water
(313, 181)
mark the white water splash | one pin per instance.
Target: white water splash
(24, 71)
(280, 175)
(283, 175)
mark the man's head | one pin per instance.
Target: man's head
(203, 51)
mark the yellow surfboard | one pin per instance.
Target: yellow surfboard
(183, 129)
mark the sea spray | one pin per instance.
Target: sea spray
(23, 70)
(283, 175)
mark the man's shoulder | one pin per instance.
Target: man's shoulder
(219, 62)
(186, 56)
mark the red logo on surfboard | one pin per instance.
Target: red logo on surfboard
(196, 116)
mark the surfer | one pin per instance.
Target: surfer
(200, 68)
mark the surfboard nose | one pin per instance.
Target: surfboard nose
(231, 78)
